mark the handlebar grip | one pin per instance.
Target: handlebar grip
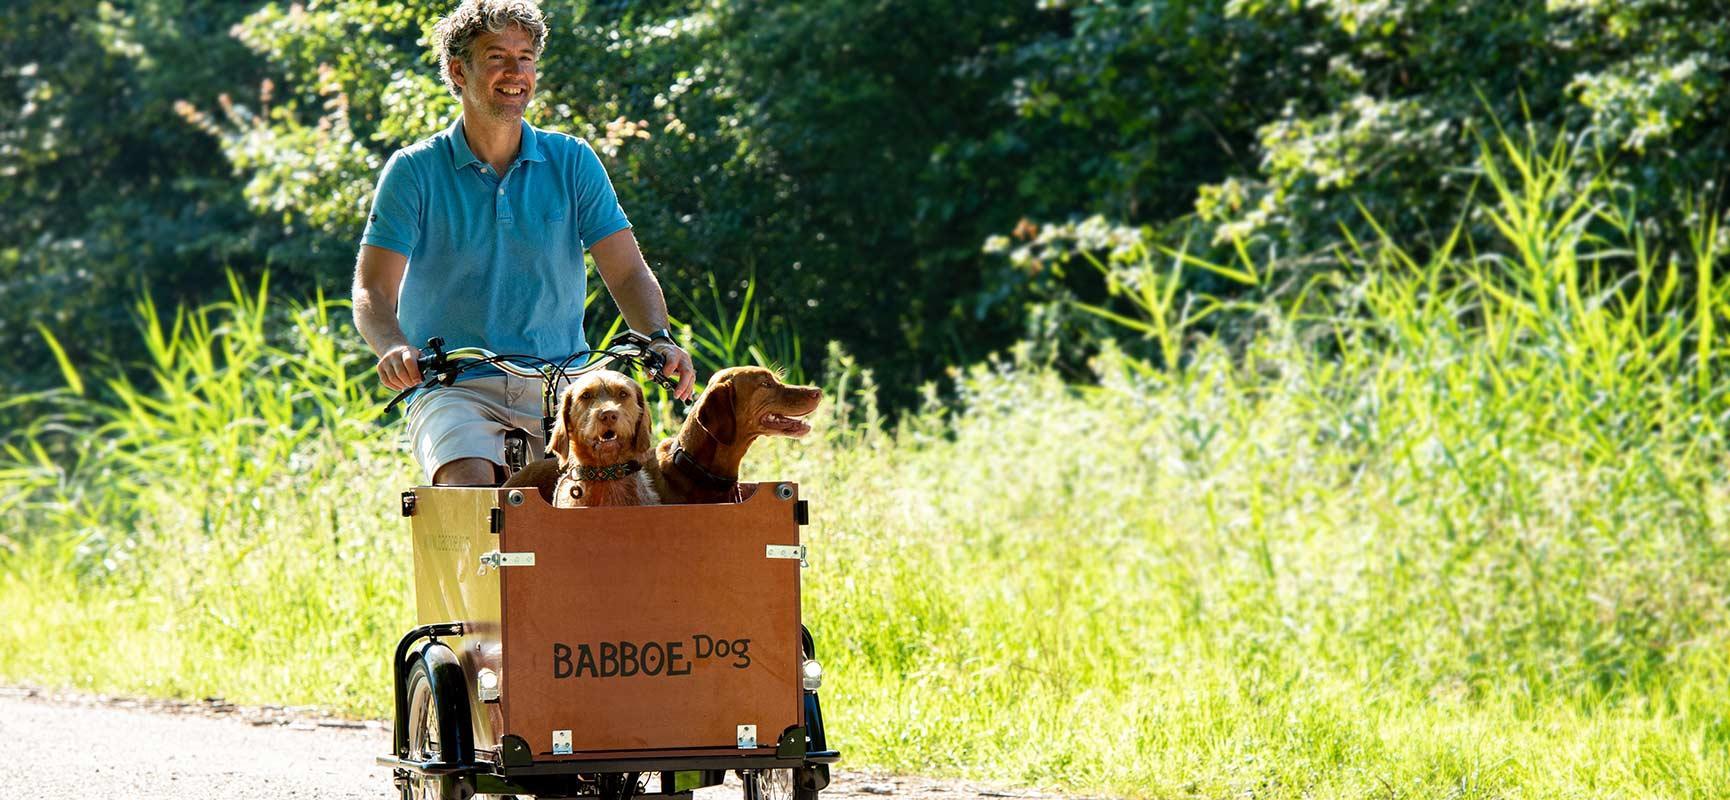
(432, 362)
(655, 363)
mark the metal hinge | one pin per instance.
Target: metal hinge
(496, 520)
(408, 504)
(788, 551)
(496, 559)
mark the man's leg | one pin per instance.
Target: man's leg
(457, 432)
(467, 472)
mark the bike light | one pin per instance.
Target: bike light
(811, 674)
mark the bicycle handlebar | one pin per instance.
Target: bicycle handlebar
(439, 367)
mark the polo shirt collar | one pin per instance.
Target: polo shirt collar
(530, 149)
(461, 156)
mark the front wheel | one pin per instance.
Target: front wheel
(423, 738)
(424, 744)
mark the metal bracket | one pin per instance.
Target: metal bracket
(788, 551)
(496, 520)
(408, 504)
(514, 751)
(496, 559)
(793, 743)
(747, 737)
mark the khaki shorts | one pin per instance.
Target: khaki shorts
(469, 419)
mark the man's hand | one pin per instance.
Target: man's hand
(397, 367)
(678, 365)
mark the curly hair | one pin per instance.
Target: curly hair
(453, 38)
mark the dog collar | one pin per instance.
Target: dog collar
(611, 472)
(698, 474)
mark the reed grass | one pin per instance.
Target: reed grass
(1451, 526)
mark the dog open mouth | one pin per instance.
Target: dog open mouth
(784, 425)
(608, 440)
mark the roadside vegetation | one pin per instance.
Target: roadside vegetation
(852, 155)
(1447, 522)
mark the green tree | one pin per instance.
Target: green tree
(851, 157)
(105, 190)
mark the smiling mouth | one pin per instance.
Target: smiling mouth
(784, 425)
(513, 91)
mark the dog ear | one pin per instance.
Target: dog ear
(560, 442)
(715, 413)
(645, 437)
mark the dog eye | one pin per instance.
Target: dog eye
(585, 395)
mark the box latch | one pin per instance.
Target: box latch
(788, 551)
(496, 559)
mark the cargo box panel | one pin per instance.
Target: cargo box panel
(663, 628)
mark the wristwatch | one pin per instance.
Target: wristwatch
(662, 333)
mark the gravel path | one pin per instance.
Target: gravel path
(63, 746)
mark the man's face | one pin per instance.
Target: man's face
(499, 77)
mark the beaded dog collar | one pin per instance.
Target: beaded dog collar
(611, 472)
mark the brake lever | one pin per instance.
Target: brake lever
(432, 368)
(654, 362)
(400, 396)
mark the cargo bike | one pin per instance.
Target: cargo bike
(605, 652)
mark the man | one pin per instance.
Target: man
(477, 235)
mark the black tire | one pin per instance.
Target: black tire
(423, 732)
(423, 743)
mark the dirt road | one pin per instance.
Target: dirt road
(79, 747)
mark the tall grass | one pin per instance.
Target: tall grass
(1452, 525)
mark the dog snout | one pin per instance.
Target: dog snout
(609, 416)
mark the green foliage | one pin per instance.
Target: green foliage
(1286, 126)
(105, 189)
(851, 156)
(1454, 527)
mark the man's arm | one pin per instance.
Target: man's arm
(638, 295)
(377, 278)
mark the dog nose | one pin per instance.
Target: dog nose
(609, 416)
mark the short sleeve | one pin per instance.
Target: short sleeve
(395, 221)
(598, 211)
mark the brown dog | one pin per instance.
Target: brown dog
(701, 463)
(601, 439)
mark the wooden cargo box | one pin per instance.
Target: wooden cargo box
(660, 628)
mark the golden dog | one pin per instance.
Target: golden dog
(602, 439)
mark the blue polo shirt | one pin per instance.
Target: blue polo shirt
(494, 261)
